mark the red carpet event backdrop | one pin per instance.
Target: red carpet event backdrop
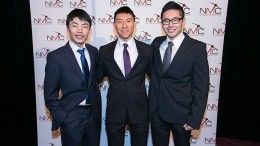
(205, 21)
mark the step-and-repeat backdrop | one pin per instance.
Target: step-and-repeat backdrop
(205, 21)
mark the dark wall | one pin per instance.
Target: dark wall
(239, 86)
(18, 118)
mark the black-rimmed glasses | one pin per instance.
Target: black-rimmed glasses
(174, 21)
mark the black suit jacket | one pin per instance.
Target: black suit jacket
(62, 72)
(180, 93)
(125, 94)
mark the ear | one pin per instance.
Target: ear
(183, 23)
(114, 25)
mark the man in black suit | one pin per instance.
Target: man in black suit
(127, 102)
(78, 111)
(179, 82)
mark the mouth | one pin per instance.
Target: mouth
(171, 30)
(79, 36)
(124, 31)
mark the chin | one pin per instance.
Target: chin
(171, 35)
(80, 42)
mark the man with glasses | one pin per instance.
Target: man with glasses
(179, 82)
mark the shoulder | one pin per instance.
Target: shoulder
(57, 51)
(142, 44)
(195, 45)
(144, 48)
(91, 48)
(108, 46)
(56, 54)
(158, 40)
(194, 42)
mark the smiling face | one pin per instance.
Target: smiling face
(78, 31)
(173, 30)
(124, 25)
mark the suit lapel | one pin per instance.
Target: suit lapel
(182, 49)
(110, 58)
(72, 60)
(92, 60)
(157, 59)
(141, 55)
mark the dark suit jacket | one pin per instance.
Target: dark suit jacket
(62, 71)
(125, 94)
(181, 91)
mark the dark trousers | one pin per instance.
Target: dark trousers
(160, 131)
(116, 133)
(80, 128)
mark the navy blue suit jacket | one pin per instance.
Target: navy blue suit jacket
(62, 72)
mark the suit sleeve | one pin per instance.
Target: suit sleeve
(150, 66)
(51, 91)
(101, 70)
(200, 89)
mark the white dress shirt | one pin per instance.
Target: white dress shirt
(77, 55)
(118, 54)
(176, 44)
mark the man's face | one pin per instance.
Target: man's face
(172, 30)
(78, 31)
(124, 25)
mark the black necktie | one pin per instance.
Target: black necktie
(84, 64)
(127, 62)
(167, 56)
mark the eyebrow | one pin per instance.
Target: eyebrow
(173, 17)
(125, 19)
(86, 23)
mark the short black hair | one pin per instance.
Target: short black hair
(81, 14)
(171, 5)
(124, 9)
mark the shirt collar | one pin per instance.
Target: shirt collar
(74, 47)
(130, 42)
(177, 41)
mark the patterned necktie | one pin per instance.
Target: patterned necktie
(127, 62)
(167, 56)
(84, 64)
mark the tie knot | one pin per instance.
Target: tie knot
(170, 43)
(125, 45)
(81, 51)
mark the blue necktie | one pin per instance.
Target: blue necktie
(167, 56)
(127, 62)
(85, 69)
(84, 64)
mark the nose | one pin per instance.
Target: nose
(171, 23)
(124, 24)
(79, 29)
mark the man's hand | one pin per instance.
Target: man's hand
(187, 127)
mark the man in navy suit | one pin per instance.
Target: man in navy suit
(179, 84)
(127, 102)
(78, 111)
